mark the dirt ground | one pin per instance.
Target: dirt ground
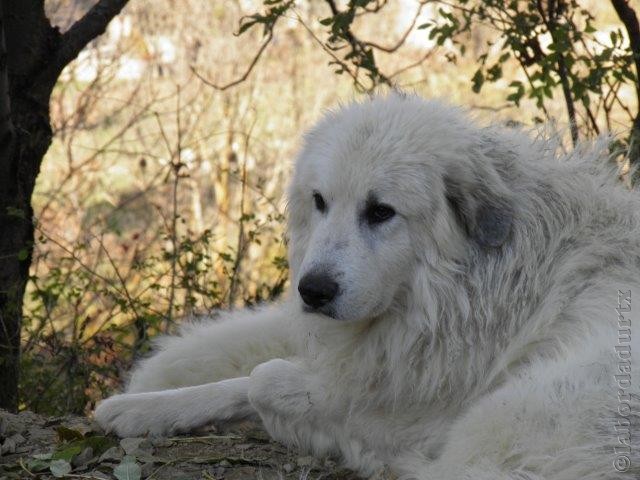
(37, 447)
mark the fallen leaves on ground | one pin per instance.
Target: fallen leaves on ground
(37, 447)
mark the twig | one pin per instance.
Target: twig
(125, 290)
(177, 165)
(203, 438)
(246, 74)
(423, 59)
(24, 467)
(241, 245)
(549, 18)
(344, 66)
(358, 47)
(404, 36)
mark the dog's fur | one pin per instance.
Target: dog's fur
(476, 334)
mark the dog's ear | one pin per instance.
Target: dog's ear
(481, 203)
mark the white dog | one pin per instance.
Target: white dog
(462, 309)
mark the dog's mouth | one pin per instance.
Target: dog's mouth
(325, 311)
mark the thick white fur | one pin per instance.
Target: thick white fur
(475, 333)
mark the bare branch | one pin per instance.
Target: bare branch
(246, 74)
(417, 63)
(404, 36)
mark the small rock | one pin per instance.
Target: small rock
(7, 447)
(113, 453)
(287, 467)
(10, 444)
(224, 463)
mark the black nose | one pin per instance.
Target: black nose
(317, 289)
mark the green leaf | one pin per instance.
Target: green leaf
(59, 468)
(128, 469)
(67, 453)
(23, 254)
(504, 57)
(67, 434)
(43, 456)
(246, 26)
(478, 80)
(37, 464)
(98, 443)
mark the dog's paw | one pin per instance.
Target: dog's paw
(138, 414)
(281, 387)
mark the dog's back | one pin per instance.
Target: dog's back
(553, 328)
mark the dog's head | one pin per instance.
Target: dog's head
(382, 188)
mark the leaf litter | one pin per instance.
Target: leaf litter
(41, 448)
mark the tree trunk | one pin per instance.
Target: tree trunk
(32, 56)
(629, 19)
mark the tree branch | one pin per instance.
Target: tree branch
(630, 20)
(90, 26)
(247, 72)
(342, 64)
(550, 20)
(93, 24)
(404, 36)
(359, 50)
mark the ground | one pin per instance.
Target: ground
(37, 447)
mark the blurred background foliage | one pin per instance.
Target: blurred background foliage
(162, 196)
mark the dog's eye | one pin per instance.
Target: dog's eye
(319, 201)
(379, 213)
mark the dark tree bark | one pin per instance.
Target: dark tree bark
(630, 20)
(32, 56)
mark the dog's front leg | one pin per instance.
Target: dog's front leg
(175, 411)
(293, 406)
